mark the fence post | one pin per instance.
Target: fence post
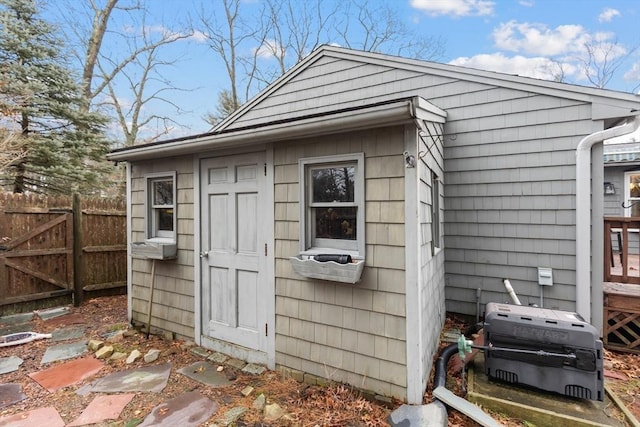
(78, 277)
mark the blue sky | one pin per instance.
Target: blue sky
(524, 37)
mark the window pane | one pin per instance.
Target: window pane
(165, 219)
(335, 223)
(634, 185)
(162, 192)
(635, 208)
(333, 184)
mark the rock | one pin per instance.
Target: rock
(116, 336)
(152, 355)
(431, 415)
(273, 412)
(187, 345)
(104, 352)
(259, 402)
(247, 391)
(128, 333)
(117, 355)
(217, 358)
(168, 336)
(133, 356)
(237, 363)
(199, 351)
(232, 415)
(94, 345)
(254, 369)
(171, 350)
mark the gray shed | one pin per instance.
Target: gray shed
(434, 182)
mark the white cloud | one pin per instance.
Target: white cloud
(538, 67)
(527, 3)
(538, 39)
(608, 14)
(455, 8)
(269, 49)
(633, 74)
(199, 36)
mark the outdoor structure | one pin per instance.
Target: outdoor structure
(430, 183)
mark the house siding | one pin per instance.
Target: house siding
(509, 153)
(349, 333)
(431, 281)
(173, 294)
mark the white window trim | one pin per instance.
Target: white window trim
(305, 210)
(162, 237)
(627, 192)
(436, 227)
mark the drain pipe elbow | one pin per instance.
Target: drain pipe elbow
(511, 291)
(583, 208)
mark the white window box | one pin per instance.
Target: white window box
(155, 249)
(306, 266)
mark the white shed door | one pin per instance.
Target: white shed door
(233, 250)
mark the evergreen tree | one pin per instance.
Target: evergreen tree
(41, 100)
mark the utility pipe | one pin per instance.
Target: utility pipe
(583, 209)
(512, 293)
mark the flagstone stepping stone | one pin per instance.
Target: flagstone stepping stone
(38, 417)
(51, 313)
(9, 364)
(185, 410)
(206, 373)
(67, 373)
(16, 323)
(66, 334)
(10, 394)
(66, 320)
(150, 379)
(102, 408)
(64, 351)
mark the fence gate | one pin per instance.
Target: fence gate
(54, 251)
(36, 261)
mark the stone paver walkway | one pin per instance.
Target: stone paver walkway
(187, 410)
(66, 353)
(68, 373)
(105, 407)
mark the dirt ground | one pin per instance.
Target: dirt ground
(304, 405)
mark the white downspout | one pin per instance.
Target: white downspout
(583, 208)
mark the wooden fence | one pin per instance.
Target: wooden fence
(58, 250)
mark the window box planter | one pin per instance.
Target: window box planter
(328, 270)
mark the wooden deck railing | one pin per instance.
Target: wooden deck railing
(618, 265)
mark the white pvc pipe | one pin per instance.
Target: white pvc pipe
(583, 212)
(512, 293)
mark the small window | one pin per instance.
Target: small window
(161, 191)
(333, 211)
(632, 193)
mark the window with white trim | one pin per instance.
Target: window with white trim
(161, 206)
(332, 204)
(632, 193)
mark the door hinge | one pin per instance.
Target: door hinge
(266, 329)
(265, 169)
(265, 249)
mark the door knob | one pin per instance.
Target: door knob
(204, 254)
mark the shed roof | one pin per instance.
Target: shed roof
(607, 105)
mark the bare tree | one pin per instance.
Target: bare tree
(133, 64)
(602, 60)
(293, 31)
(384, 32)
(285, 31)
(224, 39)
